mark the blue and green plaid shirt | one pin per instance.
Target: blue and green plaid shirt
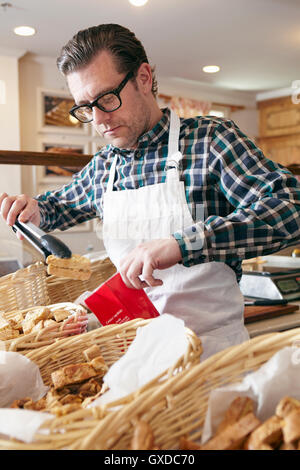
(251, 205)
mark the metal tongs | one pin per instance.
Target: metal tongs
(42, 241)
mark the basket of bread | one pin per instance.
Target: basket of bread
(37, 303)
(30, 328)
(45, 284)
(90, 376)
(246, 397)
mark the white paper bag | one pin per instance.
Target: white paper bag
(19, 378)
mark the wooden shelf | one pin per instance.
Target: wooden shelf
(9, 157)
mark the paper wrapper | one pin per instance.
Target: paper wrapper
(277, 378)
(156, 347)
(20, 378)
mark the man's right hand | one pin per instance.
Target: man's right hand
(23, 208)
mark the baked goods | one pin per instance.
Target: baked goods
(240, 428)
(33, 317)
(92, 352)
(77, 267)
(7, 330)
(14, 324)
(268, 433)
(73, 386)
(234, 435)
(75, 373)
(238, 408)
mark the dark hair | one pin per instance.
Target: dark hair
(118, 40)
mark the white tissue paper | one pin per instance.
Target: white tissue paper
(20, 378)
(277, 378)
(21, 424)
(156, 347)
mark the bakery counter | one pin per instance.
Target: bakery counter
(282, 322)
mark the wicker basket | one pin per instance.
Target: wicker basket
(24, 288)
(178, 406)
(113, 340)
(32, 286)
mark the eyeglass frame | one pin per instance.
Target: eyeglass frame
(115, 91)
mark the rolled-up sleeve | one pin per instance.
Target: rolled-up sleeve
(70, 205)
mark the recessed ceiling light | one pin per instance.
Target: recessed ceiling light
(138, 3)
(24, 31)
(211, 68)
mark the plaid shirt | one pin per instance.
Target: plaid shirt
(251, 204)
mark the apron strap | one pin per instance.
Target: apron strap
(111, 178)
(174, 156)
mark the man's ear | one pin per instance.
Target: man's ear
(144, 78)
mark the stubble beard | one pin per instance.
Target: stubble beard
(139, 125)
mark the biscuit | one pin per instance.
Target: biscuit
(269, 433)
(92, 352)
(237, 409)
(76, 373)
(6, 331)
(60, 315)
(286, 405)
(77, 267)
(291, 426)
(234, 435)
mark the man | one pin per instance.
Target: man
(182, 201)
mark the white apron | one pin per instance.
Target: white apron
(206, 296)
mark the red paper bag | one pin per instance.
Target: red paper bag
(114, 302)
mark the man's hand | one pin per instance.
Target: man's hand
(22, 207)
(145, 258)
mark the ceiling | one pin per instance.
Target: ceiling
(256, 43)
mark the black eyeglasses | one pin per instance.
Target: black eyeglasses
(107, 102)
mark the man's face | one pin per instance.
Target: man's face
(124, 126)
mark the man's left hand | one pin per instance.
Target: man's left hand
(145, 258)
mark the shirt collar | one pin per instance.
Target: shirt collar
(159, 132)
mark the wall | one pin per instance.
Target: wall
(246, 119)
(10, 175)
(40, 73)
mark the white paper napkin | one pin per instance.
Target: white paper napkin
(21, 424)
(19, 378)
(156, 347)
(278, 377)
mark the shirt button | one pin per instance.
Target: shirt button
(137, 154)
